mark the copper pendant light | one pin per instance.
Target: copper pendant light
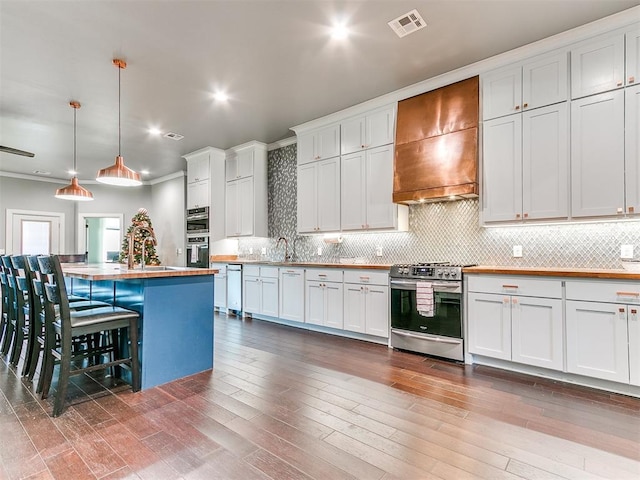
(74, 191)
(118, 173)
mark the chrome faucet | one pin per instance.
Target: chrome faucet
(130, 258)
(286, 248)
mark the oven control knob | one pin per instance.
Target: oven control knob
(446, 273)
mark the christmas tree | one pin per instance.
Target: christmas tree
(140, 219)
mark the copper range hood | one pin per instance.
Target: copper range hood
(436, 156)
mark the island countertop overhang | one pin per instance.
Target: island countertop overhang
(120, 272)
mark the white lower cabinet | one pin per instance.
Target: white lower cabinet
(324, 298)
(366, 303)
(519, 328)
(292, 294)
(260, 290)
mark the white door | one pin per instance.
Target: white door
(379, 127)
(597, 155)
(597, 340)
(352, 135)
(377, 310)
(245, 201)
(632, 41)
(537, 332)
(597, 65)
(334, 305)
(269, 292)
(501, 92)
(502, 169)
(33, 233)
(251, 294)
(545, 162)
(354, 307)
(379, 188)
(315, 303)
(353, 209)
(544, 81)
(306, 148)
(490, 325)
(632, 148)
(232, 224)
(329, 195)
(292, 294)
(328, 142)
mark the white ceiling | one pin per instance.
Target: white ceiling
(274, 58)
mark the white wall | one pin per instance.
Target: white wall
(168, 203)
(24, 194)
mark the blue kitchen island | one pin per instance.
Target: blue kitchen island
(176, 313)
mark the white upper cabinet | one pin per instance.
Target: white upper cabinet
(535, 83)
(597, 65)
(246, 191)
(368, 131)
(597, 155)
(319, 196)
(198, 194)
(632, 149)
(197, 167)
(502, 169)
(240, 164)
(632, 42)
(319, 144)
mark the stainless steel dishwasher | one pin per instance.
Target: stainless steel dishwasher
(234, 287)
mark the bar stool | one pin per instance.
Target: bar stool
(62, 329)
(21, 302)
(4, 287)
(11, 304)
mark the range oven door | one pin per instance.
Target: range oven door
(440, 335)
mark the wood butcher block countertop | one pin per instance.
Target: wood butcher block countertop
(362, 266)
(107, 271)
(617, 274)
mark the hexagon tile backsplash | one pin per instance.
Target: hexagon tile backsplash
(447, 231)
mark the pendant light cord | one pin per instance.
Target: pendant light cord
(75, 112)
(119, 114)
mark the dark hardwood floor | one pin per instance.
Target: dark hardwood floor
(284, 403)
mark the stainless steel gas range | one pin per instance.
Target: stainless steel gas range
(426, 309)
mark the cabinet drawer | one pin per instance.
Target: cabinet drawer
(366, 276)
(269, 272)
(604, 291)
(251, 270)
(292, 271)
(325, 275)
(515, 285)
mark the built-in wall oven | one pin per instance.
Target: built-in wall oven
(198, 221)
(426, 309)
(198, 251)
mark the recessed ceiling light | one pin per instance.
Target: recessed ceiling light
(41, 172)
(144, 172)
(72, 172)
(339, 31)
(220, 96)
(155, 131)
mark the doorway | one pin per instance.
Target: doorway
(34, 233)
(100, 236)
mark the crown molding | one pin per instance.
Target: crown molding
(166, 178)
(282, 143)
(37, 178)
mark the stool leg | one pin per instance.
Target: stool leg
(63, 377)
(133, 351)
(17, 346)
(6, 344)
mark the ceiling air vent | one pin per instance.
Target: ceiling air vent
(407, 23)
(173, 136)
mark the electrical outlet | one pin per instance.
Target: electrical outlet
(626, 251)
(319, 251)
(250, 250)
(517, 251)
(264, 250)
(378, 251)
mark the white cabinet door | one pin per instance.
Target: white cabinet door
(306, 148)
(353, 207)
(231, 167)
(502, 169)
(334, 312)
(292, 294)
(220, 286)
(377, 310)
(632, 148)
(597, 155)
(329, 195)
(634, 345)
(328, 142)
(544, 80)
(315, 303)
(251, 294)
(545, 162)
(244, 163)
(198, 194)
(597, 340)
(352, 135)
(597, 65)
(245, 202)
(381, 212)
(307, 198)
(501, 92)
(354, 307)
(489, 327)
(632, 42)
(537, 332)
(380, 127)
(232, 210)
(269, 296)
(198, 168)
